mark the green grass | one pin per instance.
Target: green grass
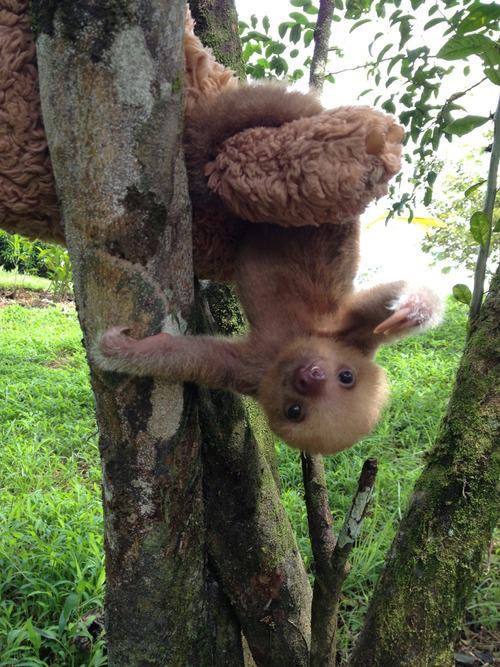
(12, 280)
(421, 372)
(51, 565)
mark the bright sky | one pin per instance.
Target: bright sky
(393, 251)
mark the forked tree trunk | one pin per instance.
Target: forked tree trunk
(435, 560)
(181, 537)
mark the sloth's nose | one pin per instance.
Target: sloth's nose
(308, 380)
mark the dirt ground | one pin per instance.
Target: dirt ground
(33, 299)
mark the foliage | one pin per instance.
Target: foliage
(36, 258)
(287, 57)
(20, 254)
(58, 265)
(408, 79)
(459, 205)
(51, 554)
(50, 512)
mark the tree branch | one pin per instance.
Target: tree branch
(330, 556)
(489, 205)
(322, 33)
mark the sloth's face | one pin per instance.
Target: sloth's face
(321, 396)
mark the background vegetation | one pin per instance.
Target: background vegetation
(51, 555)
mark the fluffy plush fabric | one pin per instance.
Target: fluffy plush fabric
(311, 171)
(28, 204)
(205, 77)
(254, 153)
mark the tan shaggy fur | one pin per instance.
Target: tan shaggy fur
(28, 203)
(254, 153)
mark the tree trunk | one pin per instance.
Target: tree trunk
(111, 95)
(110, 79)
(435, 560)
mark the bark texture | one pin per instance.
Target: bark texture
(435, 560)
(111, 89)
(217, 27)
(250, 540)
(330, 554)
(251, 543)
(322, 33)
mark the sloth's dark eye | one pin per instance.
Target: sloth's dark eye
(346, 378)
(294, 412)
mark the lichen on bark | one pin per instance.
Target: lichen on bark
(115, 136)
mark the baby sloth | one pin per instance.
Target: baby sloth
(277, 186)
(308, 356)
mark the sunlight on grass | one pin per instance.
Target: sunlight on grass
(13, 280)
(50, 506)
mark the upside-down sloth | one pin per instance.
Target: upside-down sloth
(277, 185)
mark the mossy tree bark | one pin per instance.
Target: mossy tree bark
(111, 83)
(435, 560)
(111, 88)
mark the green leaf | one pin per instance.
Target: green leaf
(493, 74)
(294, 53)
(496, 226)
(394, 62)
(405, 32)
(283, 27)
(389, 106)
(431, 177)
(279, 65)
(338, 4)
(395, 15)
(308, 37)
(365, 92)
(299, 18)
(480, 227)
(359, 23)
(258, 36)
(473, 188)
(266, 24)
(33, 635)
(71, 603)
(427, 196)
(480, 16)
(462, 46)
(295, 33)
(407, 99)
(311, 9)
(276, 48)
(382, 53)
(462, 293)
(253, 21)
(433, 22)
(464, 125)
(299, 3)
